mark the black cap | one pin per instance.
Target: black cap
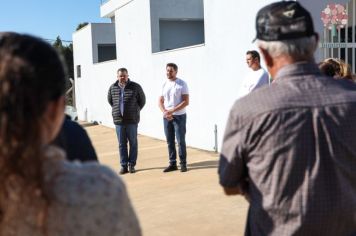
(282, 21)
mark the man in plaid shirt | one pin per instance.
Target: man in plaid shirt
(290, 148)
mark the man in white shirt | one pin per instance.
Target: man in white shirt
(172, 102)
(257, 77)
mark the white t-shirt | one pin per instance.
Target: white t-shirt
(172, 92)
(253, 80)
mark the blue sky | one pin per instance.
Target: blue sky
(48, 18)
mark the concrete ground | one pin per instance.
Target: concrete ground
(175, 203)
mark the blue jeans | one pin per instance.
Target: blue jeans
(176, 129)
(127, 133)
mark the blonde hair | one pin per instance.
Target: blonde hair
(336, 68)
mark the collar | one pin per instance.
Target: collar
(173, 81)
(118, 83)
(297, 70)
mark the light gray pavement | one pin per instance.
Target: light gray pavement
(175, 203)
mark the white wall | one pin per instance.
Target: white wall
(90, 87)
(102, 33)
(213, 71)
(170, 9)
(82, 55)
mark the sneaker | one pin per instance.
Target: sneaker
(123, 170)
(183, 168)
(132, 169)
(170, 168)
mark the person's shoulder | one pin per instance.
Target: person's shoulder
(134, 84)
(264, 72)
(260, 72)
(181, 82)
(86, 183)
(115, 84)
(138, 85)
(74, 126)
(264, 76)
(343, 88)
(74, 132)
(166, 83)
(89, 197)
(257, 101)
(347, 83)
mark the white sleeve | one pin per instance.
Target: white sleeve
(185, 89)
(263, 80)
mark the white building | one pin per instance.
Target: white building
(207, 39)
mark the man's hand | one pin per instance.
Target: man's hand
(241, 189)
(168, 115)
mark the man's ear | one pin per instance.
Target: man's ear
(267, 57)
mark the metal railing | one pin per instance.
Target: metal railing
(342, 43)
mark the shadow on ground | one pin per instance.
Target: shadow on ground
(203, 165)
(87, 124)
(192, 166)
(152, 168)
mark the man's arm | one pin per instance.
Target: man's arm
(232, 191)
(163, 109)
(141, 97)
(236, 191)
(110, 97)
(76, 142)
(233, 176)
(161, 104)
(180, 106)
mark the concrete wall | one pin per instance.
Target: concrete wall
(180, 33)
(83, 56)
(102, 33)
(90, 86)
(170, 9)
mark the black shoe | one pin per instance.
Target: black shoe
(183, 168)
(124, 170)
(132, 169)
(170, 168)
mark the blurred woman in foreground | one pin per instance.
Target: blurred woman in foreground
(40, 192)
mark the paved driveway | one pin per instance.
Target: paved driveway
(175, 203)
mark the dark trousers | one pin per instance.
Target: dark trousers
(127, 134)
(176, 128)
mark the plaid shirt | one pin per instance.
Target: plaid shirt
(292, 145)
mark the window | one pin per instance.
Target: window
(106, 52)
(79, 71)
(176, 24)
(180, 33)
